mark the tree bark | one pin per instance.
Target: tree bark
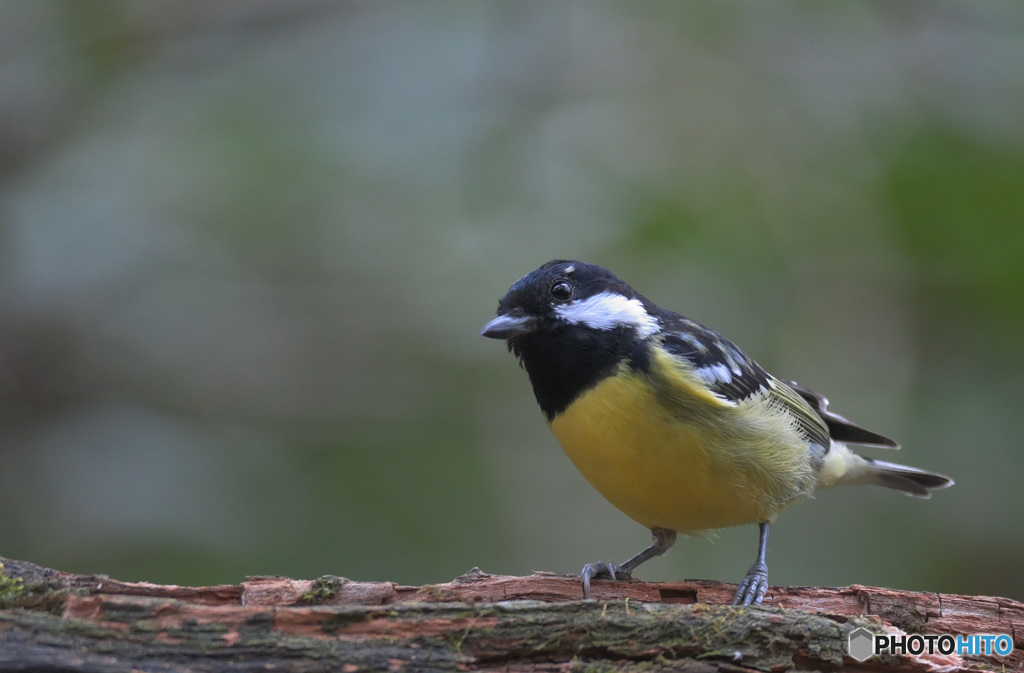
(55, 621)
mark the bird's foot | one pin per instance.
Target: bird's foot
(753, 587)
(601, 570)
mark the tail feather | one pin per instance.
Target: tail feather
(909, 480)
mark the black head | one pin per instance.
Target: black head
(563, 293)
(570, 323)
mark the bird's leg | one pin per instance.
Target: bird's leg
(662, 540)
(753, 587)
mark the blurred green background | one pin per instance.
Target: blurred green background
(246, 249)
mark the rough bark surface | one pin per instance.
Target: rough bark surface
(55, 621)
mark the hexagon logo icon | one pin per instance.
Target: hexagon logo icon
(861, 644)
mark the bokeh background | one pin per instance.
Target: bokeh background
(246, 248)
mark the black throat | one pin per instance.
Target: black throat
(567, 361)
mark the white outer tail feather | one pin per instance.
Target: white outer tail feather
(843, 467)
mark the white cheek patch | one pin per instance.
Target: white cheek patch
(609, 310)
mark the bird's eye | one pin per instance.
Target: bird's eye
(561, 290)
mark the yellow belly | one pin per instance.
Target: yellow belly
(660, 470)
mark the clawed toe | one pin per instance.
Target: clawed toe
(600, 570)
(753, 587)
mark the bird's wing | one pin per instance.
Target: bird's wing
(839, 428)
(808, 419)
(732, 376)
(716, 361)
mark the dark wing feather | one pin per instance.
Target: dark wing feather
(839, 428)
(732, 375)
(809, 420)
(719, 364)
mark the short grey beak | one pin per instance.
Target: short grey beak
(508, 326)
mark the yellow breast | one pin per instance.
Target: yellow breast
(663, 470)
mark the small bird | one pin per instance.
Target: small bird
(671, 422)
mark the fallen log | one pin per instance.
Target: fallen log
(57, 621)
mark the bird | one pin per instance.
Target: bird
(671, 422)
